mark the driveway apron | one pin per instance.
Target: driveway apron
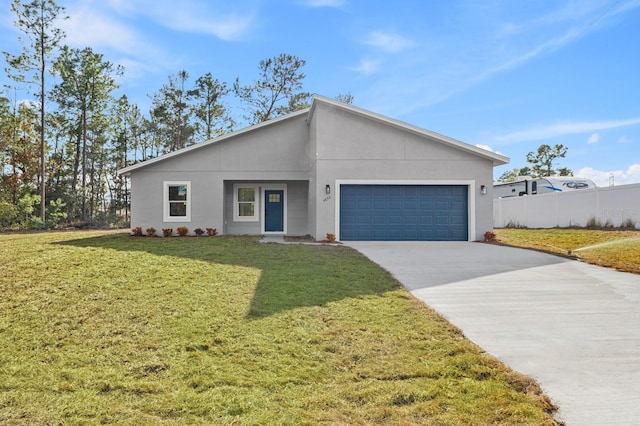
(573, 327)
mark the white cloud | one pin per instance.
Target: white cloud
(527, 56)
(225, 21)
(583, 18)
(554, 130)
(230, 26)
(620, 177)
(594, 138)
(366, 67)
(498, 37)
(487, 148)
(120, 29)
(107, 32)
(624, 139)
(88, 26)
(388, 42)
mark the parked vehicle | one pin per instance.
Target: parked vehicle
(526, 185)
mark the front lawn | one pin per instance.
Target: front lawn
(100, 328)
(611, 248)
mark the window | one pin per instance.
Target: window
(274, 198)
(177, 201)
(245, 203)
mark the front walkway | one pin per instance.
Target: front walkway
(573, 327)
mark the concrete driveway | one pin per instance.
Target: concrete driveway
(573, 327)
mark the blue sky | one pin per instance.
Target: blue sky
(506, 75)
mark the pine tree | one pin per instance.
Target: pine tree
(37, 21)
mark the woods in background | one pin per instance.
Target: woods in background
(64, 133)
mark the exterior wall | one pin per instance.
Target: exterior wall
(274, 153)
(610, 206)
(147, 200)
(335, 145)
(368, 156)
(313, 185)
(296, 204)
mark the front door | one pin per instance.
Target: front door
(274, 210)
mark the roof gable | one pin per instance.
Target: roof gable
(495, 158)
(220, 139)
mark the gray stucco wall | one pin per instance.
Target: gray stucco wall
(296, 200)
(336, 145)
(381, 153)
(275, 153)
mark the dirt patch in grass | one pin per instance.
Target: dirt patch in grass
(610, 248)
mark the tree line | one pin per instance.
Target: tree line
(64, 133)
(60, 149)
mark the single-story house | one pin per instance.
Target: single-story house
(332, 168)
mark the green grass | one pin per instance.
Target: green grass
(103, 328)
(610, 248)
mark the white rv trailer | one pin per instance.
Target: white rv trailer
(526, 185)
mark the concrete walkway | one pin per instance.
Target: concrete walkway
(573, 327)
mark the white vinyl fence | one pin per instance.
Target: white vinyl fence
(611, 206)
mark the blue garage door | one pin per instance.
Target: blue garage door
(403, 213)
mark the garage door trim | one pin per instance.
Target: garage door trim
(471, 200)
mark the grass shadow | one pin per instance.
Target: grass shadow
(291, 276)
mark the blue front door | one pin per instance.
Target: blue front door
(274, 211)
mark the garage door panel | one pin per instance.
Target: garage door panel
(364, 190)
(394, 191)
(404, 212)
(411, 206)
(380, 205)
(410, 220)
(442, 206)
(426, 220)
(363, 220)
(395, 219)
(442, 220)
(426, 205)
(364, 205)
(379, 219)
(458, 220)
(410, 191)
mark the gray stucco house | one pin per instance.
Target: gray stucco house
(332, 168)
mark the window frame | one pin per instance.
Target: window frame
(166, 201)
(236, 202)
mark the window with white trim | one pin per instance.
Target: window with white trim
(245, 203)
(177, 201)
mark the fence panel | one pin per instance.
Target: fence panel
(611, 206)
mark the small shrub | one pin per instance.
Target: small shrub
(137, 231)
(198, 231)
(489, 237)
(151, 232)
(167, 232)
(212, 232)
(514, 225)
(8, 215)
(593, 223)
(628, 224)
(182, 230)
(331, 237)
